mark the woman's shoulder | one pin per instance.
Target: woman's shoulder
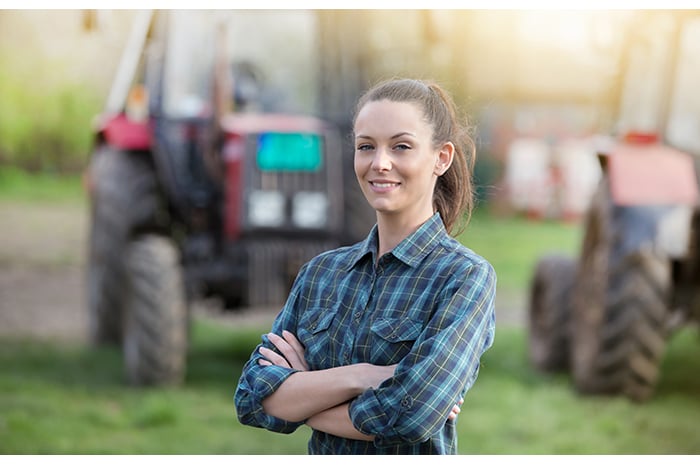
(463, 256)
(337, 256)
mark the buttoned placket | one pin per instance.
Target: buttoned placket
(363, 308)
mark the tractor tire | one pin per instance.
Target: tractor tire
(123, 199)
(156, 319)
(550, 312)
(620, 309)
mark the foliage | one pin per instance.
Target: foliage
(45, 119)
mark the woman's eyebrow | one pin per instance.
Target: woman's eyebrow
(401, 134)
(395, 136)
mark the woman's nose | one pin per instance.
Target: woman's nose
(381, 160)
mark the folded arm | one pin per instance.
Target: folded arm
(306, 393)
(321, 396)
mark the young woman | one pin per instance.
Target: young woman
(378, 342)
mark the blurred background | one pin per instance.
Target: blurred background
(141, 256)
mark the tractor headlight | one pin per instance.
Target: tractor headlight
(266, 208)
(310, 209)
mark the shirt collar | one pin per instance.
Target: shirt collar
(412, 250)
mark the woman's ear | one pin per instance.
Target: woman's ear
(444, 159)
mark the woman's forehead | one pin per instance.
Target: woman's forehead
(385, 115)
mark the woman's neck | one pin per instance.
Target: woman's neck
(392, 229)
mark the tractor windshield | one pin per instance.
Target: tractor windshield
(646, 77)
(683, 129)
(663, 68)
(189, 64)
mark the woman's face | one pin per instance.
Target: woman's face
(395, 161)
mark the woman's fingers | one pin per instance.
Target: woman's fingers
(453, 413)
(298, 348)
(273, 358)
(456, 410)
(292, 358)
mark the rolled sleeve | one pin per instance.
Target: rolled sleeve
(258, 382)
(443, 364)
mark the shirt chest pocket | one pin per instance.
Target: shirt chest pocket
(316, 336)
(392, 339)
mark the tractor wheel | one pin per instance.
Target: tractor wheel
(619, 314)
(124, 198)
(550, 311)
(156, 315)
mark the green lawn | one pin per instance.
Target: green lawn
(18, 185)
(513, 245)
(68, 399)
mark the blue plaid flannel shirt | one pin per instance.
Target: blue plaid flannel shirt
(428, 305)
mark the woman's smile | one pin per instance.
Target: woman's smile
(381, 186)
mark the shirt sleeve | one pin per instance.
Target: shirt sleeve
(413, 405)
(258, 382)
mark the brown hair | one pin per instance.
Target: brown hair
(453, 196)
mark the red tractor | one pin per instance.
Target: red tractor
(193, 196)
(607, 315)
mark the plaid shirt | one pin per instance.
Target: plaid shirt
(428, 305)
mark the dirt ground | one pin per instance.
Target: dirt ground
(42, 292)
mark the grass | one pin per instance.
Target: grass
(17, 185)
(69, 399)
(515, 410)
(514, 244)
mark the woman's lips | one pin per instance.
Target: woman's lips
(383, 186)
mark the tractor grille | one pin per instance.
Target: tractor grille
(327, 179)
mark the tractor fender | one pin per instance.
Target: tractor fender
(650, 174)
(123, 133)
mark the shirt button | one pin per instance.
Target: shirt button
(406, 402)
(358, 315)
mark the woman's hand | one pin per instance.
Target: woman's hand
(291, 349)
(455, 410)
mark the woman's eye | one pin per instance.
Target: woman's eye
(402, 147)
(363, 147)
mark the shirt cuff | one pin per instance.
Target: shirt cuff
(251, 411)
(371, 417)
